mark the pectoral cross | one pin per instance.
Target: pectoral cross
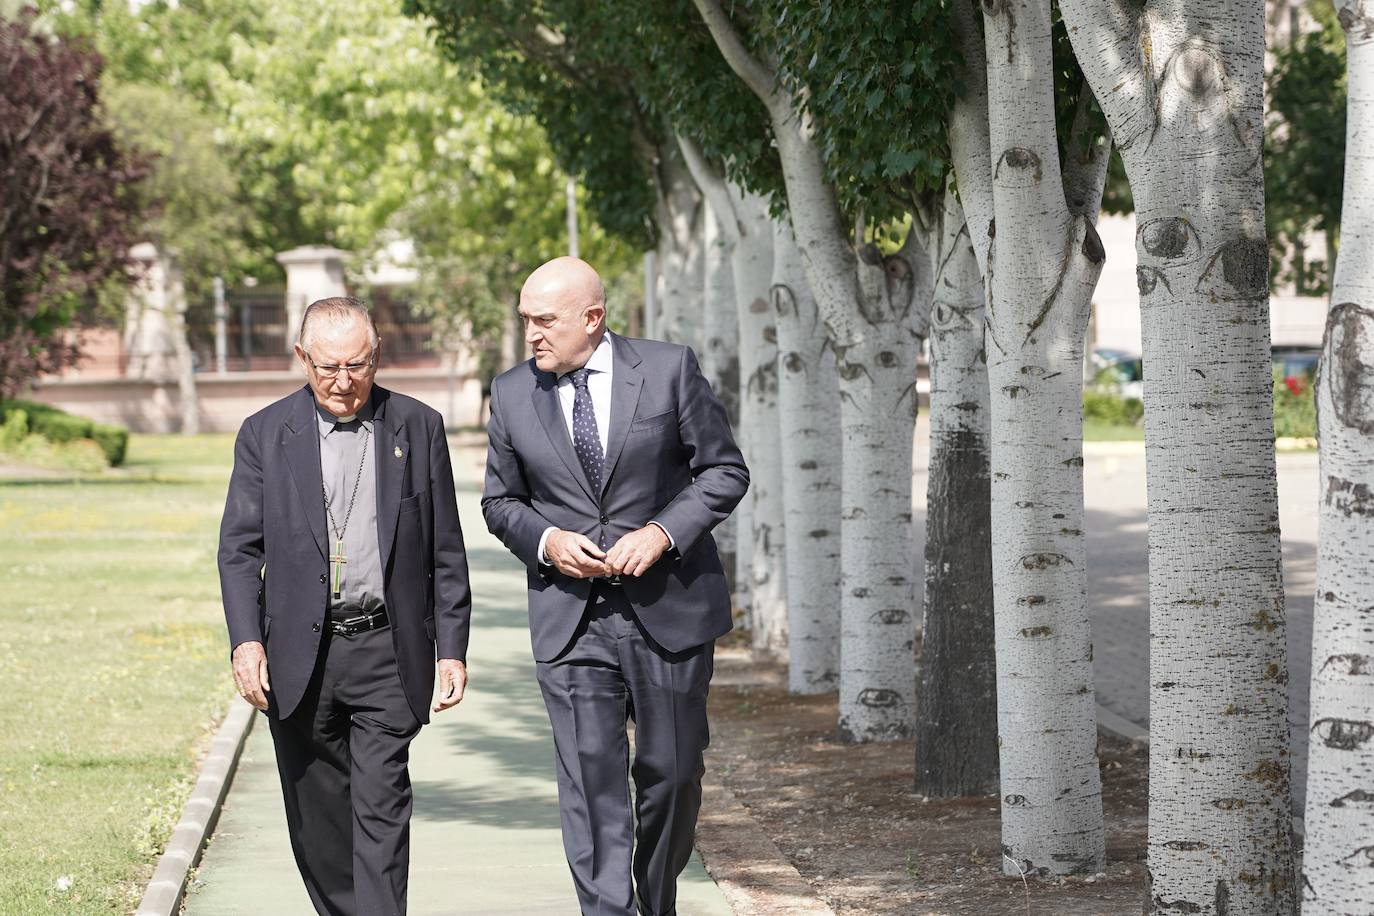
(337, 560)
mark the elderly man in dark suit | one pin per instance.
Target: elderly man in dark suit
(610, 461)
(343, 575)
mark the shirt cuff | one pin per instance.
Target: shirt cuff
(672, 545)
(544, 539)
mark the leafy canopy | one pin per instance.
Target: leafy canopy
(1305, 146)
(68, 207)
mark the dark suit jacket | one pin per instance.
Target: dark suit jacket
(273, 545)
(670, 458)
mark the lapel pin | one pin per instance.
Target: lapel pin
(399, 453)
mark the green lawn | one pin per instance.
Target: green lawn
(113, 668)
(1098, 431)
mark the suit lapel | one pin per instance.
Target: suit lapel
(550, 415)
(626, 382)
(391, 458)
(302, 442)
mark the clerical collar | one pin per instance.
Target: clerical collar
(328, 420)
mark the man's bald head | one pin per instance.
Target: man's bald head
(563, 306)
(568, 279)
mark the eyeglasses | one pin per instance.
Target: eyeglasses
(354, 370)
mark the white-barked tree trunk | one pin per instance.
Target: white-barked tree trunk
(809, 407)
(744, 222)
(719, 353)
(679, 215)
(1042, 259)
(1338, 858)
(870, 306)
(1182, 87)
(956, 719)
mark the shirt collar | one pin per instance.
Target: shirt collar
(601, 360)
(328, 422)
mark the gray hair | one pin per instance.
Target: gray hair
(338, 311)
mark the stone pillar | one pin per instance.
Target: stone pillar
(149, 331)
(312, 272)
(155, 332)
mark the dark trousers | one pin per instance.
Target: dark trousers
(342, 756)
(613, 672)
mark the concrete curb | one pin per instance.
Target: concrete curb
(163, 896)
(756, 879)
(1119, 726)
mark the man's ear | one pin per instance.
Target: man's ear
(301, 358)
(596, 317)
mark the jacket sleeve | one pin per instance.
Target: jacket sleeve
(452, 592)
(241, 541)
(719, 476)
(506, 495)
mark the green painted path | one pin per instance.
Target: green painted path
(484, 837)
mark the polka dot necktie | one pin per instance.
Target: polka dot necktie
(586, 439)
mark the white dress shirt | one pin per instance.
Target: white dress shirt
(601, 365)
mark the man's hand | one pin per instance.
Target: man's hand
(250, 673)
(575, 555)
(453, 682)
(633, 554)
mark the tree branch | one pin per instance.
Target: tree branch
(711, 180)
(1085, 166)
(1108, 39)
(756, 75)
(969, 142)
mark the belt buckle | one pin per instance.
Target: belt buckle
(351, 626)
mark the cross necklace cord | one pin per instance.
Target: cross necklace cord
(337, 559)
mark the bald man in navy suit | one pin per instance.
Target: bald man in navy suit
(610, 461)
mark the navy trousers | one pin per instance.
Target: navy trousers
(343, 758)
(626, 856)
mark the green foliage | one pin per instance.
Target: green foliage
(293, 123)
(879, 81)
(14, 428)
(192, 192)
(1305, 149)
(31, 420)
(1108, 407)
(113, 441)
(68, 208)
(547, 62)
(1295, 407)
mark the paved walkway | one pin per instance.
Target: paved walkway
(484, 837)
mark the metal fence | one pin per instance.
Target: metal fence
(257, 338)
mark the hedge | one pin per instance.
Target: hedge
(58, 427)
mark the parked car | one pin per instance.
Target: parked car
(1120, 369)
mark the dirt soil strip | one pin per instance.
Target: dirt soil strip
(855, 833)
(163, 896)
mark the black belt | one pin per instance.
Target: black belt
(360, 623)
(608, 580)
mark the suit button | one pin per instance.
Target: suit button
(605, 520)
(315, 627)
(322, 578)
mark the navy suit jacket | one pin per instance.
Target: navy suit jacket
(274, 547)
(670, 458)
